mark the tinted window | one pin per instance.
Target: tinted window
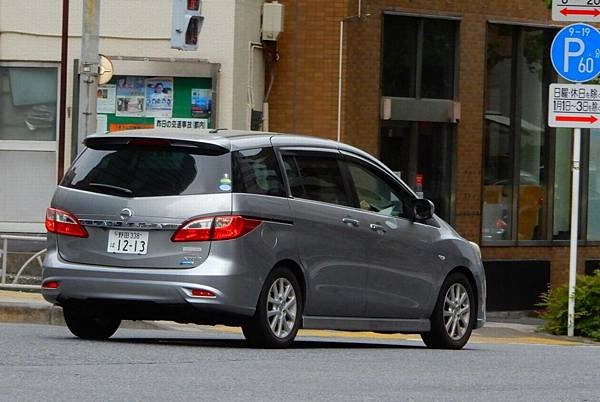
(316, 177)
(376, 195)
(144, 171)
(256, 172)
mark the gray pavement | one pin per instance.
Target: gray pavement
(42, 362)
(31, 308)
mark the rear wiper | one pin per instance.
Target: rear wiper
(113, 188)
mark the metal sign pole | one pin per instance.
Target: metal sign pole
(574, 230)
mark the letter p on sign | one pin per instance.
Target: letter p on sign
(572, 53)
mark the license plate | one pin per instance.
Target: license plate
(127, 242)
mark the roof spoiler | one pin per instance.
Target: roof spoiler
(111, 142)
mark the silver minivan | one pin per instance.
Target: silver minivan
(270, 232)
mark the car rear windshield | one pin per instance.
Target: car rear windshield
(151, 171)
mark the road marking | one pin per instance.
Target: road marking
(520, 340)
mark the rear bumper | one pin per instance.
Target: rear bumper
(139, 293)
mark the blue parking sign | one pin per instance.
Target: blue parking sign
(575, 52)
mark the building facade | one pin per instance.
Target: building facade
(219, 84)
(451, 94)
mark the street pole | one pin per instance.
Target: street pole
(574, 230)
(88, 70)
(64, 49)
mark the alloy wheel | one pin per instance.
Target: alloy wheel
(457, 311)
(281, 308)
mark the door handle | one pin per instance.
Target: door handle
(377, 228)
(351, 222)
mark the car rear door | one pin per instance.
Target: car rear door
(329, 235)
(131, 195)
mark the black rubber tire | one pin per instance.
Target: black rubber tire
(438, 338)
(256, 330)
(93, 327)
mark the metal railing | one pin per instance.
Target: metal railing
(4, 257)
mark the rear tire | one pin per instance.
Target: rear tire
(453, 318)
(93, 327)
(278, 312)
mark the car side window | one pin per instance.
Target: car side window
(316, 177)
(256, 171)
(375, 194)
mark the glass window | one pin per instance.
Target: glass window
(424, 150)
(561, 225)
(418, 57)
(438, 59)
(498, 153)
(28, 103)
(593, 223)
(374, 194)
(316, 177)
(399, 56)
(148, 171)
(256, 171)
(535, 76)
(518, 75)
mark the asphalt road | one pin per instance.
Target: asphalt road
(47, 363)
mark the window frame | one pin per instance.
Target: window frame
(330, 153)
(389, 180)
(278, 166)
(548, 160)
(421, 17)
(33, 145)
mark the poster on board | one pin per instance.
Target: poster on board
(159, 97)
(130, 96)
(201, 103)
(107, 98)
(101, 123)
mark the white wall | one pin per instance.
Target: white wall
(142, 28)
(31, 31)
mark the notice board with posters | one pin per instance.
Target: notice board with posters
(134, 102)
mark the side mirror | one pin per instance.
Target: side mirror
(423, 209)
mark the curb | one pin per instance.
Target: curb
(47, 314)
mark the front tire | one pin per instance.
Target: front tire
(93, 327)
(278, 312)
(453, 318)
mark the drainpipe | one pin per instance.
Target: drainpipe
(340, 72)
(341, 67)
(251, 47)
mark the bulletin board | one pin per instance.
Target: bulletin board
(136, 102)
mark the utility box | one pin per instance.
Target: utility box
(272, 25)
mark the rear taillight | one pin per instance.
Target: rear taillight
(203, 293)
(50, 285)
(215, 228)
(64, 223)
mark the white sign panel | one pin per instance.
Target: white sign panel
(101, 123)
(181, 124)
(574, 106)
(576, 10)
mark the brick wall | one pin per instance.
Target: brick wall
(304, 98)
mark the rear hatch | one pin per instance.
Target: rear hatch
(131, 195)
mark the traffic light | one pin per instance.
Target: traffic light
(186, 25)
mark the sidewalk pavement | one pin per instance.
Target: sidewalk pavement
(31, 308)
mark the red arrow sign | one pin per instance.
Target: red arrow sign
(574, 11)
(577, 119)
